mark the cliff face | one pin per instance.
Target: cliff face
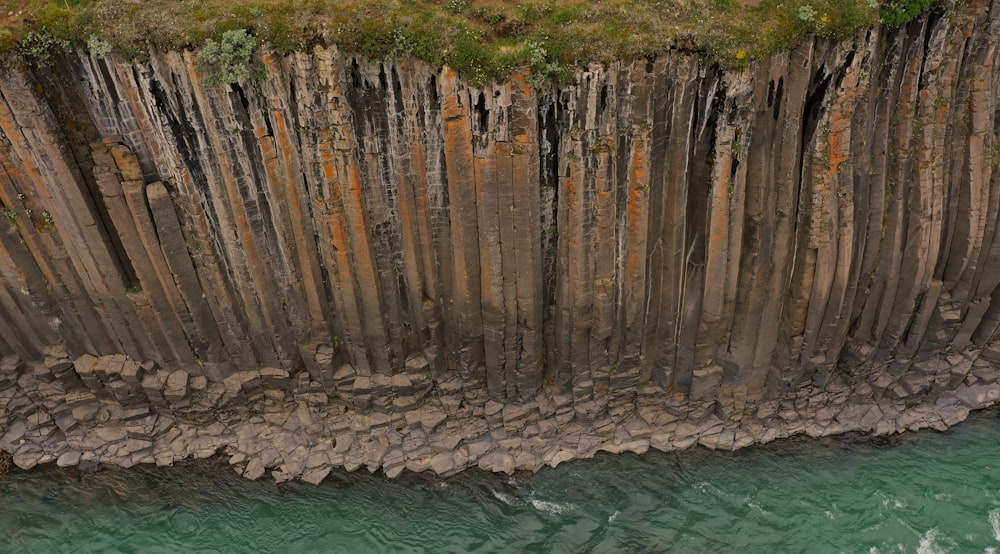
(661, 241)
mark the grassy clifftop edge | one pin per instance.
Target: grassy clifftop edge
(481, 39)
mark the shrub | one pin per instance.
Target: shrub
(99, 48)
(37, 48)
(901, 12)
(543, 70)
(227, 61)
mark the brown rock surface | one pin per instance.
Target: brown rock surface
(811, 245)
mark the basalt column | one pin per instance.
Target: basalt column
(661, 233)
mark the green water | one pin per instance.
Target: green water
(929, 492)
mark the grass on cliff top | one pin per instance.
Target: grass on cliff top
(481, 39)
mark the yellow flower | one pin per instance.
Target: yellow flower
(824, 19)
(741, 55)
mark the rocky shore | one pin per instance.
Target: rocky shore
(117, 411)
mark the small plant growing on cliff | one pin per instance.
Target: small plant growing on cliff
(99, 48)
(227, 61)
(402, 46)
(901, 12)
(543, 70)
(807, 14)
(37, 48)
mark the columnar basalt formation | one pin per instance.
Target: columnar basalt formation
(350, 263)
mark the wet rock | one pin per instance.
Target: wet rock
(27, 457)
(254, 469)
(14, 432)
(560, 457)
(979, 395)
(497, 461)
(443, 463)
(69, 458)
(394, 470)
(315, 476)
(952, 414)
(164, 459)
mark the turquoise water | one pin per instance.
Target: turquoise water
(929, 492)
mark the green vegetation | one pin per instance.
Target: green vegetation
(98, 47)
(900, 12)
(227, 61)
(482, 39)
(37, 47)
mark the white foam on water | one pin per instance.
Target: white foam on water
(540, 505)
(552, 507)
(505, 498)
(994, 518)
(928, 543)
(888, 500)
(749, 503)
(614, 516)
(708, 488)
(990, 550)
(873, 550)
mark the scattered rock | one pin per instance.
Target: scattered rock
(978, 396)
(254, 469)
(176, 388)
(69, 458)
(139, 414)
(315, 476)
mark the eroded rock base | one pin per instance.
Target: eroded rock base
(115, 410)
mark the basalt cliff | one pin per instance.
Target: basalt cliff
(350, 264)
